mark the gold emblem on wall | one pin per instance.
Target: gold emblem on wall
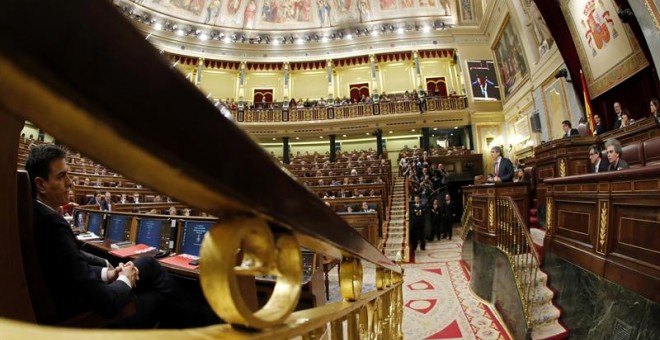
(548, 216)
(562, 168)
(491, 216)
(602, 230)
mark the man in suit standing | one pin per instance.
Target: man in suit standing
(597, 162)
(417, 222)
(448, 216)
(568, 129)
(600, 127)
(619, 111)
(503, 168)
(614, 154)
(75, 284)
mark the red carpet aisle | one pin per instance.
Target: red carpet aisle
(438, 303)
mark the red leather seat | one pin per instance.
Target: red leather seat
(632, 153)
(652, 151)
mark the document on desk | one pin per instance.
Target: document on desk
(181, 260)
(87, 236)
(136, 250)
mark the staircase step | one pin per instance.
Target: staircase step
(544, 314)
(550, 331)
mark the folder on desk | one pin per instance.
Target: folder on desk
(181, 260)
(136, 250)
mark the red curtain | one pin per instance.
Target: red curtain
(357, 90)
(436, 84)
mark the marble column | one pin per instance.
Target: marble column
(285, 150)
(333, 149)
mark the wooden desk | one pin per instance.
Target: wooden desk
(365, 223)
(640, 130)
(609, 223)
(484, 213)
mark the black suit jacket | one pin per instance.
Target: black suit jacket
(603, 166)
(574, 133)
(620, 165)
(74, 284)
(505, 170)
(600, 129)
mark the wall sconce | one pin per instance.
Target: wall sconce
(563, 73)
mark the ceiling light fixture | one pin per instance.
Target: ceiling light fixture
(158, 26)
(349, 36)
(400, 30)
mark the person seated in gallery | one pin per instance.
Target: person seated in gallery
(76, 285)
(598, 164)
(292, 102)
(568, 129)
(600, 127)
(655, 113)
(614, 154)
(365, 208)
(618, 110)
(625, 119)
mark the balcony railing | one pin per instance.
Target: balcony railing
(279, 114)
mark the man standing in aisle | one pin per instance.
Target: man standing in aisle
(417, 214)
(448, 216)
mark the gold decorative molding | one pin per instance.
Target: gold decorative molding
(602, 228)
(263, 254)
(491, 216)
(562, 168)
(548, 216)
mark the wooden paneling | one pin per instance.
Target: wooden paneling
(613, 228)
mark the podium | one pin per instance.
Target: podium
(484, 210)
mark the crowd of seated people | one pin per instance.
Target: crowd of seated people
(300, 103)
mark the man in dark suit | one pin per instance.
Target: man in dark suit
(597, 162)
(503, 168)
(619, 111)
(614, 154)
(77, 284)
(417, 222)
(448, 216)
(569, 130)
(600, 127)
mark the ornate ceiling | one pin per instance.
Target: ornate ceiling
(285, 15)
(299, 29)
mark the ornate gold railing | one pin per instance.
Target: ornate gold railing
(346, 111)
(146, 121)
(514, 240)
(466, 219)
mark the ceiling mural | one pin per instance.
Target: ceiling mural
(269, 15)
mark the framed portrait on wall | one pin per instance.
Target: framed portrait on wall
(510, 57)
(483, 80)
(608, 50)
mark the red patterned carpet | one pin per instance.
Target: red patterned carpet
(438, 303)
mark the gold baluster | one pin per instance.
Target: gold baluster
(263, 253)
(350, 278)
(337, 329)
(319, 333)
(353, 325)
